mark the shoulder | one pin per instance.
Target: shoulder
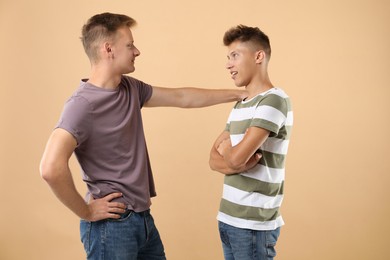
(78, 106)
(277, 99)
(133, 82)
(137, 87)
(80, 100)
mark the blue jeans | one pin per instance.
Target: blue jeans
(246, 244)
(132, 237)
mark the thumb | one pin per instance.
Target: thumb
(258, 156)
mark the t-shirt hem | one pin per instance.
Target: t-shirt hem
(248, 224)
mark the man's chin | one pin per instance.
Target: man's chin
(130, 71)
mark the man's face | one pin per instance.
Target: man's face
(241, 63)
(124, 51)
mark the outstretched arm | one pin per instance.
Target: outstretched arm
(218, 163)
(55, 171)
(192, 97)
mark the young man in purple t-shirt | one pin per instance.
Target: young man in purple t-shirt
(101, 123)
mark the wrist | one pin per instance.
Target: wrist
(86, 213)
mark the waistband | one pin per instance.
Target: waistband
(144, 213)
(130, 211)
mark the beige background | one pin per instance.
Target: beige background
(331, 56)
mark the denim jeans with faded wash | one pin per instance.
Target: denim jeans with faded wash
(247, 244)
(132, 237)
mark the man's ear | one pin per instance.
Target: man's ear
(107, 47)
(107, 50)
(260, 56)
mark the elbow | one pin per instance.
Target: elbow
(188, 104)
(47, 171)
(187, 98)
(182, 100)
(215, 166)
(211, 165)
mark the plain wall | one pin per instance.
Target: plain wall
(332, 57)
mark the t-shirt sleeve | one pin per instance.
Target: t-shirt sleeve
(144, 90)
(76, 118)
(271, 113)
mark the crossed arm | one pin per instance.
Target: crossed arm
(232, 160)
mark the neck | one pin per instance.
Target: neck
(103, 77)
(258, 85)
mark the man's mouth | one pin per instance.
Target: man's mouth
(233, 74)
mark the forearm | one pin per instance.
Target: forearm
(245, 154)
(219, 164)
(62, 185)
(233, 160)
(226, 164)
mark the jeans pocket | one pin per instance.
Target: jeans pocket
(271, 239)
(223, 234)
(85, 234)
(271, 252)
(125, 216)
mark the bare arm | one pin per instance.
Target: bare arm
(239, 155)
(192, 97)
(218, 163)
(55, 171)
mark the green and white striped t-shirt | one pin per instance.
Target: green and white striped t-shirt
(252, 199)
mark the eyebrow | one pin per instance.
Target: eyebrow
(230, 53)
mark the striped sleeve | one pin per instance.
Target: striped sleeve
(271, 113)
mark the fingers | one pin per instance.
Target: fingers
(116, 210)
(253, 161)
(116, 207)
(105, 208)
(258, 156)
(112, 196)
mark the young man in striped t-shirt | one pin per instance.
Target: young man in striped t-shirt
(251, 151)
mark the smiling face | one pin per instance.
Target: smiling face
(123, 51)
(242, 62)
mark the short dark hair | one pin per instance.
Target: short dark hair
(100, 27)
(248, 34)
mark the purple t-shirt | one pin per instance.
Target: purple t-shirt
(111, 147)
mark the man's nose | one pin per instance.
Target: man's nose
(137, 52)
(228, 65)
